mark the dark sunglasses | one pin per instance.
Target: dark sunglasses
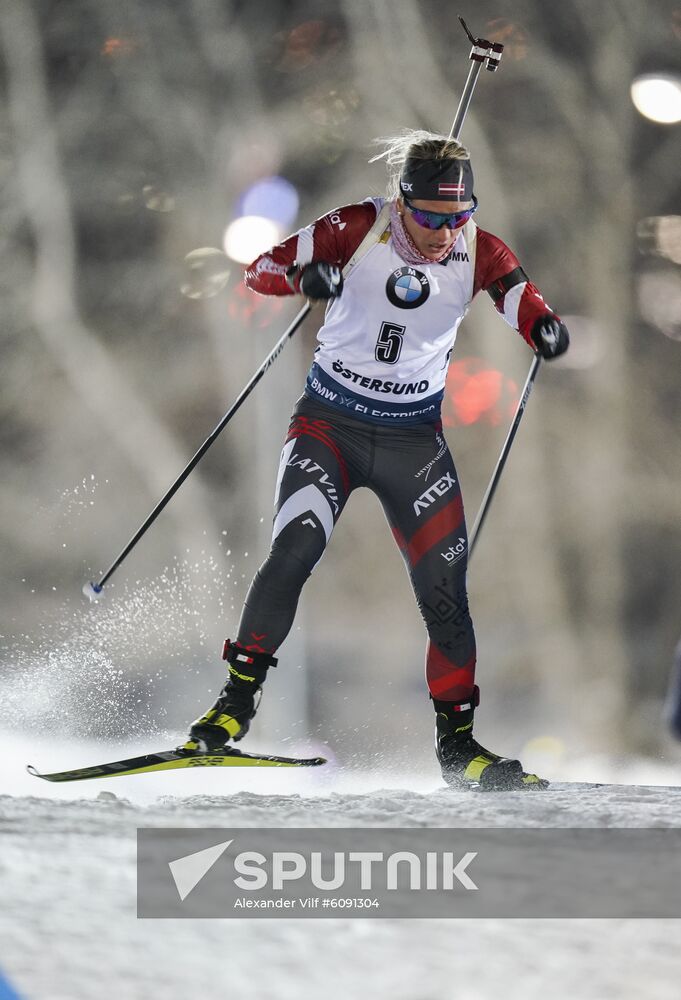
(436, 220)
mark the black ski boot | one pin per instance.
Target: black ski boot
(466, 764)
(230, 717)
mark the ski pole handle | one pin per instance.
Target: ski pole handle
(482, 52)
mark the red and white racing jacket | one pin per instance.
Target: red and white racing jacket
(384, 347)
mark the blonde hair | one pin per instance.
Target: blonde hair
(414, 144)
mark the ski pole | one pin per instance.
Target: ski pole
(482, 51)
(496, 475)
(490, 53)
(93, 590)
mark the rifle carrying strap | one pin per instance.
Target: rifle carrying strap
(371, 239)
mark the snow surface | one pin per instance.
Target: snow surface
(68, 929)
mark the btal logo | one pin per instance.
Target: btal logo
(454, 552)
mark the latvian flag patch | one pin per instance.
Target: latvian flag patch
(455, 190)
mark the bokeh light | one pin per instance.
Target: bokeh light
(156, 199)
(544, 754)
(251, 309)
(115, 48)
(657, 96)
(270, 198)
(249, 236)
(330, 146)
(331, 108)
(659, 301)
(307, 44)
(206, 272)
(587, 343)
(257, 154)
(512, 36)
(477, 393)
(676, 22)
(661, 235)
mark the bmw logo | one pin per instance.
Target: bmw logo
(407, 288)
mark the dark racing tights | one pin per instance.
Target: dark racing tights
(326, 456)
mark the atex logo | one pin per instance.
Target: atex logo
(255, 871)
(438, 489)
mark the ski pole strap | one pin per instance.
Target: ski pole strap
(239, 656)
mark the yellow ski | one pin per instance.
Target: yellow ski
(168, 760)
